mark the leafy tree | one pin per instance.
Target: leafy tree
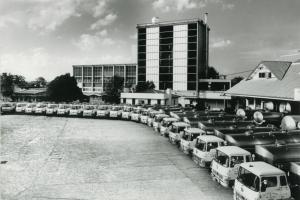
(64, 89)
(20, 81)
(236, 80)
(7, 84)
(113, 90)
(212, 73)
(41, 82)
(143, 86)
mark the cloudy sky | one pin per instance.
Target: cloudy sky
(46, 37)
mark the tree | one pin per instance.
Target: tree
(41, 82)
(64, 89)
(113, 90)
(236, 80)
(143, 86)
(212, 73)
(7, 84)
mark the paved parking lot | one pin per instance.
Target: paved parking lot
(69, 158)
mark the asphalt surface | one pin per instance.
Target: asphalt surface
(69, 158)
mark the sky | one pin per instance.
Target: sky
(46, 37)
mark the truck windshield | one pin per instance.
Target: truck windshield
(212, 145)
(201, 145)
(235, 160)
(52, 106)
(222, 159)
(248, 179)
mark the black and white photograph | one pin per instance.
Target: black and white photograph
(150, 99)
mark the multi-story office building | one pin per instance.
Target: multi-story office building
(94, 79)
(173, 54)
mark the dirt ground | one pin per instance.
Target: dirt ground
(69, 158)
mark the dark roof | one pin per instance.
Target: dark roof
(271, 88)
(32, 91)
(151, 91)
(278, 68)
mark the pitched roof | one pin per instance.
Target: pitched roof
(278, 68)
(32, 91)
(270, 88)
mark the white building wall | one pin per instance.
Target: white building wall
(152, 55)
(180, 57)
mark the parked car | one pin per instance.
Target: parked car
(8, 108)
(20, 107)
(51, 109)
(76, 110)
(89, 111)
(63, 109)
(189, 139)
(176, 131)
(205, 149)
(40, 108)
(165, 125)
(262, 181)
(224, 167)
(30, 108)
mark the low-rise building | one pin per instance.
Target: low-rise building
(30, 95)
(94, 79)
(272, 83)
(149, 97)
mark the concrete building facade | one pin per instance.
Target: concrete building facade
(94, 79)
(173, 54)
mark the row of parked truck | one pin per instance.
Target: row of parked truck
(257, 153)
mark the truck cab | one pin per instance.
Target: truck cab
(20, 107)
(89, 111)
(76, 110)
(115, 112)
(126, 112)
(51, 109)
(189, 138)
(40, 108)
(63, 109)
(157, 120)
(176, 131)
(294, 179)
(135, 114)
(144, 116)
(102, 111)
(260, 181)
(165, 124)
(30, 108)
(205, 149)
(224, 167)
(151, 117)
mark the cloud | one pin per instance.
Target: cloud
(229, 6)
(181, 5)
(133, 36)
(89, 42)
(178, 5)
(220, 43)
(100, 8)
(107, 20)
(6, 20)
(48, 16)
(39, 15)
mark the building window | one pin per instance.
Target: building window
(87, 71)
(77, 71)
(262, 75)
(270, 75)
